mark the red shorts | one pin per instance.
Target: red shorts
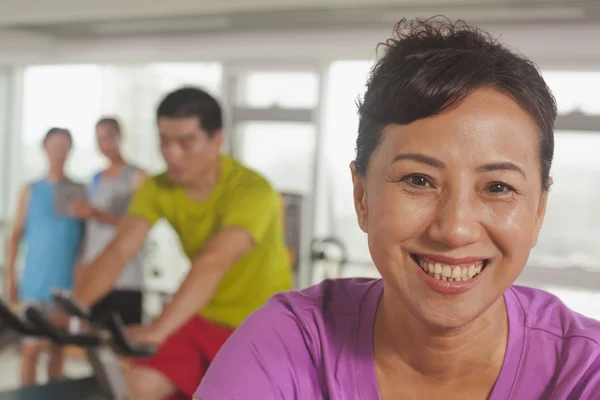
(185, 356)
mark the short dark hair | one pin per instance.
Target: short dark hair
(57, 131)
(189, 102)
(110, 121)
(430, 66)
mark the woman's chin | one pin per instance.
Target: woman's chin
(446, 320)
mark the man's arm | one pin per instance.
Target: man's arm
(14, 240)
(84, 210)
(99, 277)
(111, 219)
(207, 270)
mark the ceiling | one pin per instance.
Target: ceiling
(66, 19)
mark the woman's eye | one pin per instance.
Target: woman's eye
(417, 180)
(499, 188)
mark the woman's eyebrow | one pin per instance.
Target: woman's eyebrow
(421, 158)
(434, 162)
(501, 166)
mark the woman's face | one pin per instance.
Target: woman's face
(108, 140)
(448, 196)
(58, 147)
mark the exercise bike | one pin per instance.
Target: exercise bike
(104, 342)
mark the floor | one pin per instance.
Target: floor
(10, 365)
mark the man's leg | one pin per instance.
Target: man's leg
(176, 369)
(148, 384)
(56, 362)
(30, 352)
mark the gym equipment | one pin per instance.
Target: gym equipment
(329, 256)
(102, 344)
(292, 217)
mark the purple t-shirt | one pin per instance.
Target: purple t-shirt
(318, 344)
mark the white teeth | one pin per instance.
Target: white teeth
(456, 273)
(450, 274)
(471, 271)
(446, 271)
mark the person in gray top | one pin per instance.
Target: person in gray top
(109, 195)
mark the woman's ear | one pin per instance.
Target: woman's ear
(541, 212)
(360, 197)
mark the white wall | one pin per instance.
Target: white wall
(36, 11)
(570, 46)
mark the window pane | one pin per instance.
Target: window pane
(282, 152)
(67, 96)
(346, 82)
(582, 301)
(569, 236)
(278, 89)
(575, 90)
(75, 96)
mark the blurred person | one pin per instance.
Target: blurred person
(451, 181)
(109, 195)
(229, 221)
(52, 243)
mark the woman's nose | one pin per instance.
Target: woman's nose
(457, 222)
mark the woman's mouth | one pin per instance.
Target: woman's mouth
(450, 270)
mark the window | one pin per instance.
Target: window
(66, 96)
(278, 89)
(569, 236)
(568, 240)
(346, 82)
(281, 151)
(76, 96)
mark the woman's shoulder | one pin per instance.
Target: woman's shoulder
(331, 297)
(292, 343)
(313, 309)
(546, 312)
(560, 346)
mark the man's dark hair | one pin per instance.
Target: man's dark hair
(57, 131)
(190, 102)
(430, 66)
(110, 121)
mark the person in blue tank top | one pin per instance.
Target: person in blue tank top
(52, 242)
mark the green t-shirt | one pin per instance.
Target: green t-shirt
(243, 199)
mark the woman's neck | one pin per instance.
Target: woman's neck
(444, 355)
(115, 166)
(116, 162)
(56, 174)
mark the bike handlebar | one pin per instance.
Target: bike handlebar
(61, 336)
(112, 323)
(39, 325)
(67, 303)
(16, 323)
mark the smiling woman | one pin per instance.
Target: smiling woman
(451, 181)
